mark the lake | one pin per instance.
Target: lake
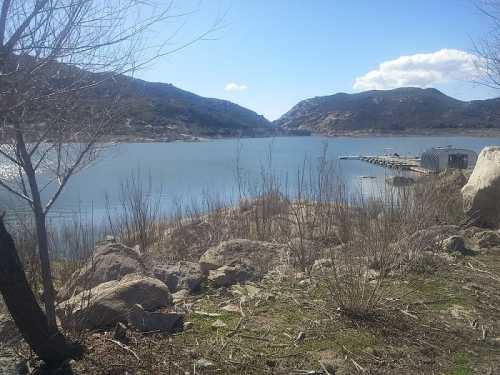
(184, 171)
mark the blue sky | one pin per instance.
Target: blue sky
(270, 54)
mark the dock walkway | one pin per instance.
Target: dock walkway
(393, 162)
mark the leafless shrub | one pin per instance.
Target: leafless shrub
(359, 267)
(137, 219)
(72, 244)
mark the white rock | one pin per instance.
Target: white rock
(481, 194)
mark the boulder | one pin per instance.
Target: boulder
(189, 237)
(111, 261)
(481, 194)
(259, 255)
(145, 321)
(487, 238)
(229, 275)
(181, 275)
(455, 244)
(109, 303)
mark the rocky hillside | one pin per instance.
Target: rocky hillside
(158, 109)
(138, 109)
(410, 110)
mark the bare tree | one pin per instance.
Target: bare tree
(488, 48)
(55, 57)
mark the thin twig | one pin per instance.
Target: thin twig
(124, 347)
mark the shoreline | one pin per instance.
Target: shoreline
(189, 138)
(195, 139)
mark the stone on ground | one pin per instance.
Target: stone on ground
(229, 275)
(181, 275)
(487, 239)
(109, 303)
(259, 255)
(111, 261)
(454, 244)
(481, 194)
(145, 321)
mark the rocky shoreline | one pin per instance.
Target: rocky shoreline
(229, 304)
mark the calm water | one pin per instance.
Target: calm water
(184, 171)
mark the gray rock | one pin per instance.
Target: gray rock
(481, 194)
(229, 275)
(487, 239)
(454, 244)
(181, 275)
(145, 321)
(120, 333)
(109, 303)
(259, 255)
(111, 261)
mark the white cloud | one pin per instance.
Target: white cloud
(421, 70)
(235, 87)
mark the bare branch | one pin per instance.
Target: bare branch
(15, 192)
(67, 175)
(3, 19)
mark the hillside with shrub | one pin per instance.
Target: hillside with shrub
(399, 111)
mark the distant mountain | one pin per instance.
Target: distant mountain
(148, 108)
(138, 109)
(402, 110)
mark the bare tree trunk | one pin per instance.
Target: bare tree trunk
(41, 232)
(48, 286)
(47, 342)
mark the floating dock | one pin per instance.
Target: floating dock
(394, 162)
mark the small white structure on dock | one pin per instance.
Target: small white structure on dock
(441, 158)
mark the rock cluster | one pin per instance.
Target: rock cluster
(113, 287)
